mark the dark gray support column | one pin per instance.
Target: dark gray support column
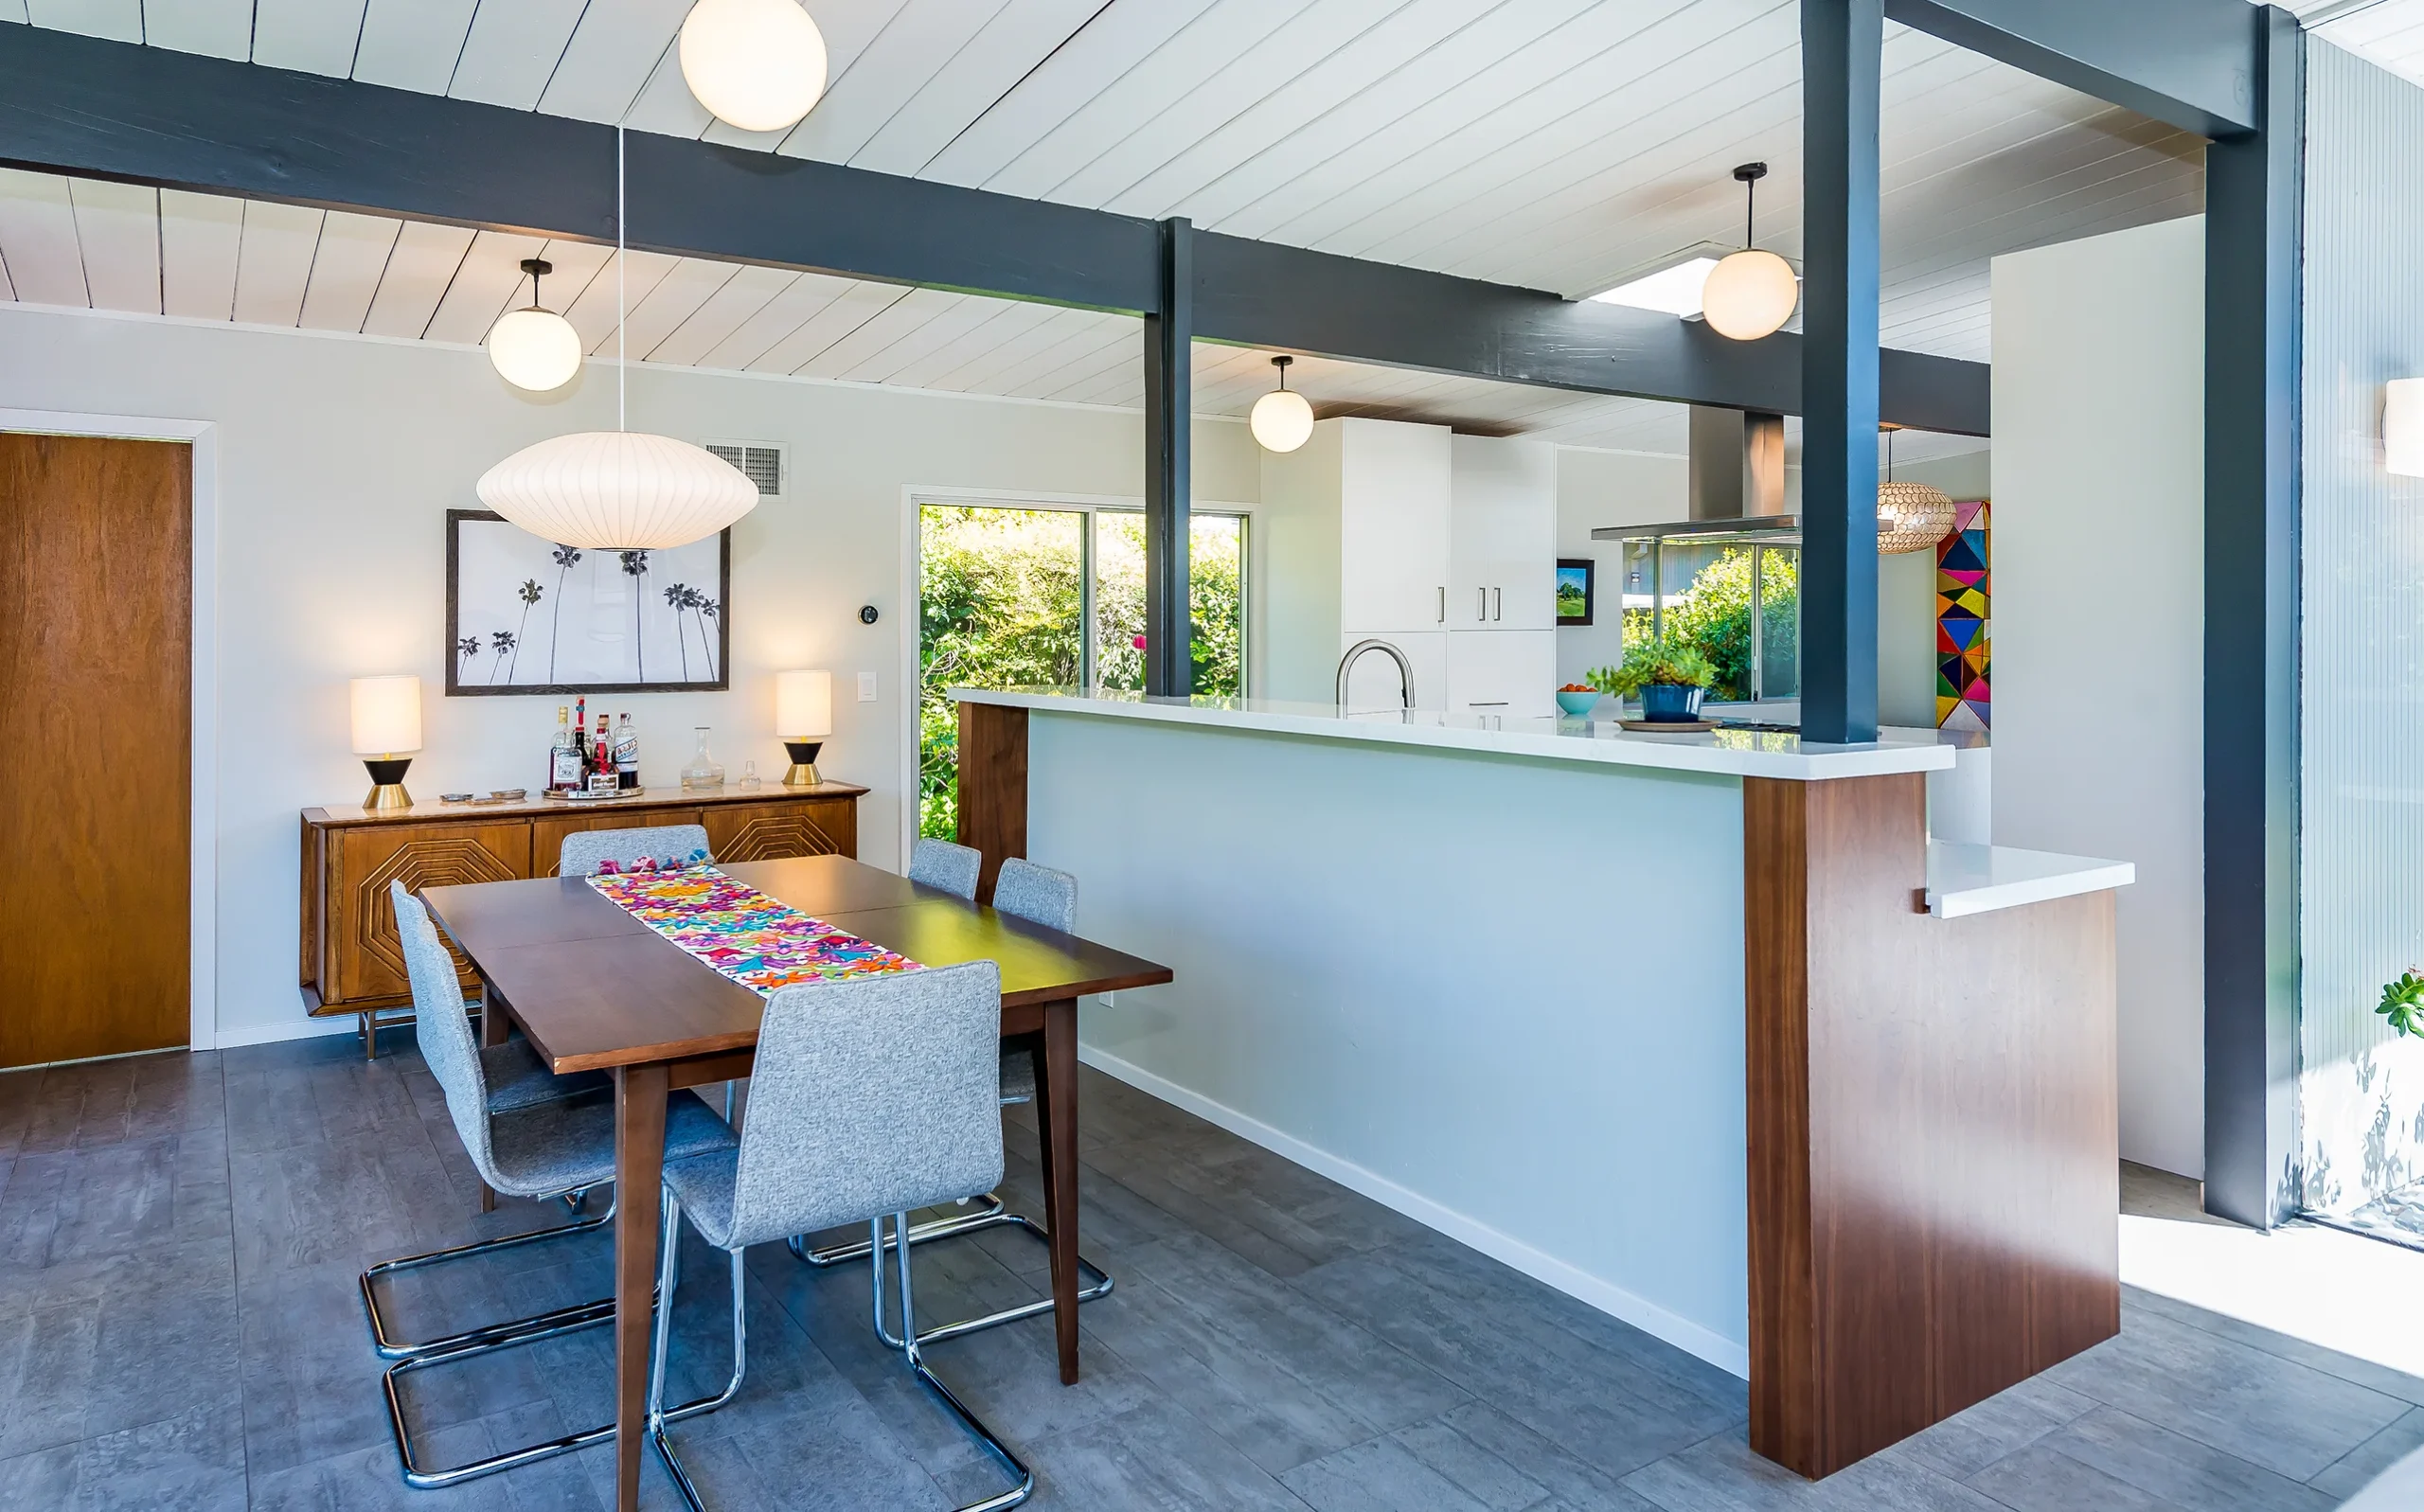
(1169, 649)
(2252, 207)
(1841, 43)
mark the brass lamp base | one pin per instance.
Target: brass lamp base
(803, 770)
(387, 784)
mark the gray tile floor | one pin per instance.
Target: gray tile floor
(179, 1327)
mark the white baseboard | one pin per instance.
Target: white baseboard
(277, 1029)
(1614, 1301)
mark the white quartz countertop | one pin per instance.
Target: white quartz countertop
(1979, 879)
(1721, 753)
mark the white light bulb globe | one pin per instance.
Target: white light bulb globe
(535, 349)
(1281, 421)
(758, 64)
(1749, 296)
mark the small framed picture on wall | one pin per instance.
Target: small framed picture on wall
(1574, 589)
(526, 615)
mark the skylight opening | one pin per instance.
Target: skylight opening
(1674, 290)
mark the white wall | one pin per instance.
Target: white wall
(2099, 618)
(338, 458)
(1597, 488)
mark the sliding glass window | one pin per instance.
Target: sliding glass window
(1023, 596)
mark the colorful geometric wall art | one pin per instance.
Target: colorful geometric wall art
(1964, 630)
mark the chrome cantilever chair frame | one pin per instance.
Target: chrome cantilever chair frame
(494, 1335)
(669, 1266)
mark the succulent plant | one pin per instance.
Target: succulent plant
(1654, 661)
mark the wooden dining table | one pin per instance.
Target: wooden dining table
(595, 990)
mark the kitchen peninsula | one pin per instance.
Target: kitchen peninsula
(1699, 1028)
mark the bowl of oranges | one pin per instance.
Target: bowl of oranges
(1577, 701)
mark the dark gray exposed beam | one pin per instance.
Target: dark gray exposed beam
(2191, 63)
(1841, 41)
(1260, 294)
(2252, 198)
(1170, 410)
(82, 105)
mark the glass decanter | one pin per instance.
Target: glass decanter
(703, 773)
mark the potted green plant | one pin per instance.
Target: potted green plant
(1669, 678)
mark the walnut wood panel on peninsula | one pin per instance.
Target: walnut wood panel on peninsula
(1933, 1137)
(350, 961)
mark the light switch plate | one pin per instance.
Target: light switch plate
(866, 687)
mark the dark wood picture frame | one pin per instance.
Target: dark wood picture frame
(1589, 567)
(456, 688)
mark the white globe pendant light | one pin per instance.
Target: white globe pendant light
(535, 348)
(1750, 294)
(617, 490)
(1282, 420)
(758, 64)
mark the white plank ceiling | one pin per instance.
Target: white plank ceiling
(1564, 144)
(2389, 32)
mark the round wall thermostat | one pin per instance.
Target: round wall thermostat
(866, 614)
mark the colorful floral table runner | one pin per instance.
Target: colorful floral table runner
(754, 940)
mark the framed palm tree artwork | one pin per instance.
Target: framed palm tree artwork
(526, 615)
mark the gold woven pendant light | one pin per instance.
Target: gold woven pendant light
(1910, 516)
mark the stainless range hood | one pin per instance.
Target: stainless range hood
(1736, 483)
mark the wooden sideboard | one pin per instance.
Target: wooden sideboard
(351, 962)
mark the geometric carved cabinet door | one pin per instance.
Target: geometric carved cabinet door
(777, 831)
(369, 960)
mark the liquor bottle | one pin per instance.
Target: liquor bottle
(564, 757)
(602, 753)
(627, 754)
(580, 739)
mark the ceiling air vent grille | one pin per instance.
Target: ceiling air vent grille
(760, 461)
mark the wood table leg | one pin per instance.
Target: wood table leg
(493, 1030)
(639, 1167)
(1056, 1113)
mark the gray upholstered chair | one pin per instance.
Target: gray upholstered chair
(586, 852)
(940, 863)
(540, 1149)
(872, 1096)
(1040, 895)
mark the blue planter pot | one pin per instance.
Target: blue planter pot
(1670, 700)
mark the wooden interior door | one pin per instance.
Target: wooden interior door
(95, 745)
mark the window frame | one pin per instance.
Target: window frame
(914, 502)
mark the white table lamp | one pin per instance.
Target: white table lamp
(387, 720)
(803, 718)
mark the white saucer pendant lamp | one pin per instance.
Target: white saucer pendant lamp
(1910, 516)
(1750, 294)
(1282, 420)
(617, 491)
(535, 348)
(758, 64)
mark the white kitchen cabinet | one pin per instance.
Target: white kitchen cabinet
(1503, 672)
(1393, 527)
(1412, 535)
(1373, 684)
(1502, 533)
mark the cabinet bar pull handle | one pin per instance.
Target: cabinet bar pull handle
(1498, 603)
(1443, 604)
(1481, 605)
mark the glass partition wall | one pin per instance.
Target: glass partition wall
(1734, 595)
